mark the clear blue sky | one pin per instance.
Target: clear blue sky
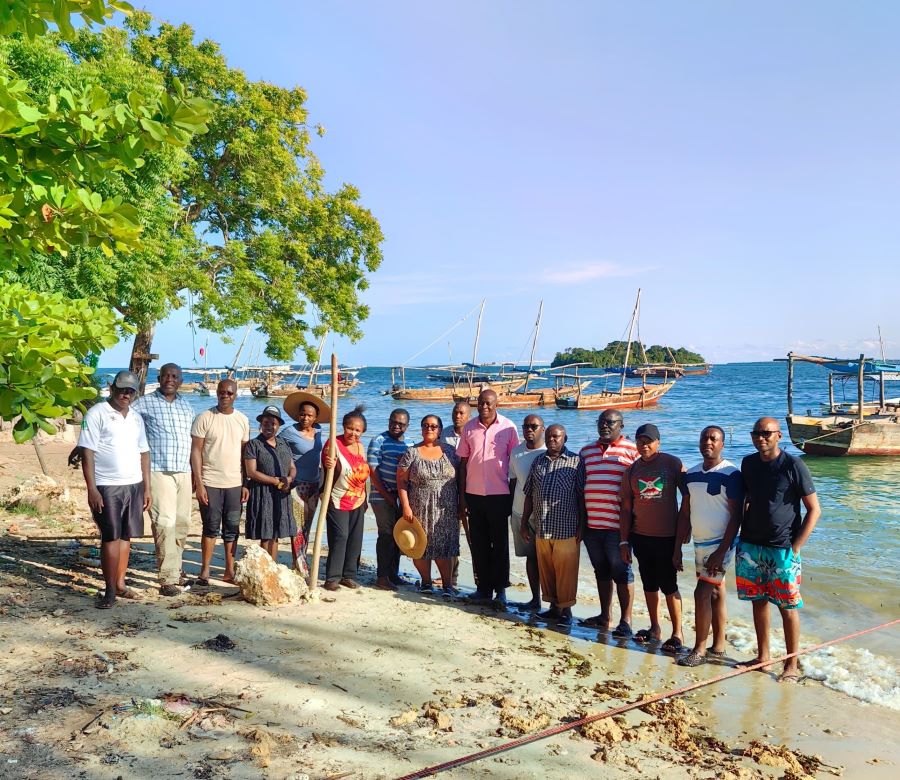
(739, 162)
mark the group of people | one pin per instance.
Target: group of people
(622, 499)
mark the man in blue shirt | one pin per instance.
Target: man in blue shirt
(773, 530)
(167, 419)
(384, 453)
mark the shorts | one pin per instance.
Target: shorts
(223, 512)
(768, 573)
(122, 516)
(605, 553)
(702, 551)
(654, 556)
(523, 549)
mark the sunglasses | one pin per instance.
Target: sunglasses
(530, 426)
(431, 427)
(763, 434)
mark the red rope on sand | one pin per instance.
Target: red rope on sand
(553, 731)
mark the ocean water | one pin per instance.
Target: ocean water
(850, 563)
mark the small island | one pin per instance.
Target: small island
(613, 356)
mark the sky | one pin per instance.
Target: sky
(740, 163)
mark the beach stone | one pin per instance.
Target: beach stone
(266, 583)
(36, 493)
(404, 718)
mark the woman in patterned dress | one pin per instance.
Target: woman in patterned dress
(426, 483)
(270, 474)
(347, 508)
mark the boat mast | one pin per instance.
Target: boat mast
(475, 347)
(315, 367)
(634, 316)
(238, 354)
(537, 330)
(881, 343)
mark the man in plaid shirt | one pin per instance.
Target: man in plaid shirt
(554, 492)
(167, 419)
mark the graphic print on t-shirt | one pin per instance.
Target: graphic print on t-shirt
(651, 489)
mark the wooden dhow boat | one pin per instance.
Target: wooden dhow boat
(627, 396)
(863, 428)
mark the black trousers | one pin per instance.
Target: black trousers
(489, 533)
(345, 536)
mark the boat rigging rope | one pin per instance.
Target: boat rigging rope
(453, 327)
(835, 432)
(553, 731)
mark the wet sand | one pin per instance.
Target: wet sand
(364, 683)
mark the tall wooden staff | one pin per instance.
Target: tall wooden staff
(329, 478)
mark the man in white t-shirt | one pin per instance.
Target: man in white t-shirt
(714, 498)
(218, 436)
(116, 467)
(519, 467)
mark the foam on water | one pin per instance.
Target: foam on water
(857, 672)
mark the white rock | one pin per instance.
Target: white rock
(265, 583)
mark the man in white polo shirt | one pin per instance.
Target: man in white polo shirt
(116, 467)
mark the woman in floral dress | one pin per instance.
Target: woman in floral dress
(426, 483)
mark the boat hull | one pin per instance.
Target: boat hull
(546, 396)
(842, 435)
(631, 398)
(451, 394)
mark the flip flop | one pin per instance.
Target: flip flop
(204, 581)
(672, 645)
(789, 677)
(693, 658)
(645, 637)
(622, 631)
(593, 622)
(128, 593)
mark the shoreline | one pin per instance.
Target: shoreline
(325, 679)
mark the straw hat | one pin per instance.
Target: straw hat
(293, 401)
(410, 537)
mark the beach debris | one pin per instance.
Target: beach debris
(435, 712)
(524, 720)
(568, 660)
(266, 583)
(612, 689)
(604, 731)
(220, 643)
(797, 765)
(404, 718)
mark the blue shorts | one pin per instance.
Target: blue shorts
(768, 573)
(604, 551)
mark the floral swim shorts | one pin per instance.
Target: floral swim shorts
(770, 573)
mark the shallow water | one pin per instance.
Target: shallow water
(849, 563)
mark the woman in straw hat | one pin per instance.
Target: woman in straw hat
(347, 508)
(305, 440)
(426, 483)
(270, 473)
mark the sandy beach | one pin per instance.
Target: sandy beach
(361, 684)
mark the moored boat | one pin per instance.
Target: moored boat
(863, 428)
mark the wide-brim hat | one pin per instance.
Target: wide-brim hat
(293, 401)
(410, 537)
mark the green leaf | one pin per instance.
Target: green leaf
(28, 113)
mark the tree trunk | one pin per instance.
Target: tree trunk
(40, 456)
(141, 355)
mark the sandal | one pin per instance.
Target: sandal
(622, 631)
(715, 653)
(128, 593)
(645, 637)
(204, 581)
(792, 676)
(105, 602)
(594, 622)
(672, 645)
(693, 658)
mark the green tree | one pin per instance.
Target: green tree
(613, 355)
(277, 249)
(61, 146)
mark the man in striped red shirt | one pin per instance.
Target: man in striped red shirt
(606, 461)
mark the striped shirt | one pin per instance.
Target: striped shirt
(168, 426)
(605, 466)
(384, 455)
(554, 485)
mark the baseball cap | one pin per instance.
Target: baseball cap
(125, 380)
(649, 430)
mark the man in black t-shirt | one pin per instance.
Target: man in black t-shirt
(773, 530)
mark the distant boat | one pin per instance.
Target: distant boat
(627, 396)
(860, 428)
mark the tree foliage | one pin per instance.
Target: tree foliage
(67, 147)
(44, 340)
(613, 355)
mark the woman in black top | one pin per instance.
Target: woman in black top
(270, 474)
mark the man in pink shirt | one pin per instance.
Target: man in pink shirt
(484, 450)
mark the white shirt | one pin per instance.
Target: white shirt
(519, 468)
(117, 442)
